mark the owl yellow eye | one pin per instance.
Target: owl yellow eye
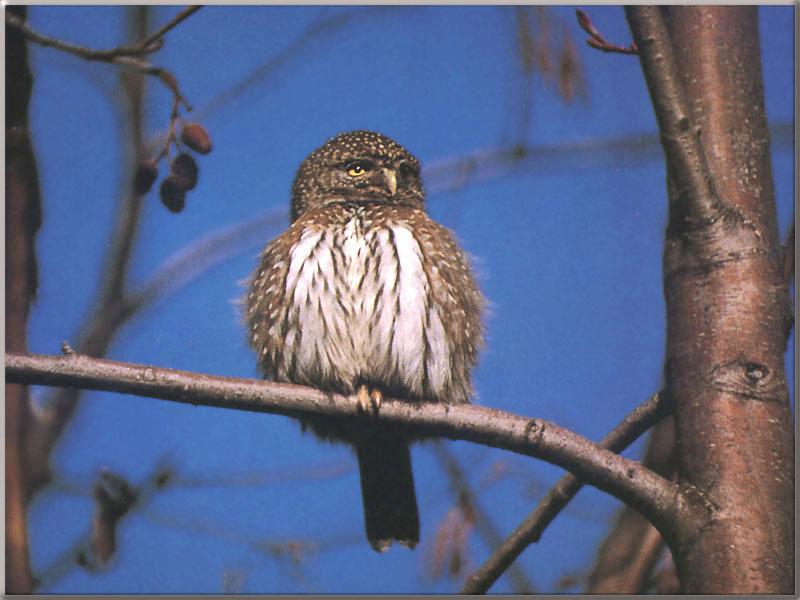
(356, 169)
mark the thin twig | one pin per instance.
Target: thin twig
(530, 530)
(124, 56)
(314, 31)
(146, 46)
(483, 523)
(188, 263)
(662, 501)
(176, 20)
(598, 41)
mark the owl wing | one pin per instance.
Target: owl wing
(264, 303)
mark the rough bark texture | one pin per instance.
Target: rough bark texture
(22, 221)
(728, 310)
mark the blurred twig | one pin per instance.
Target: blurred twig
(23, 218)
(468, 500)
(492, 162)
(112, 306)
(316, 30)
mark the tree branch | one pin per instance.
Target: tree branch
(530, 530)
(679, 135)
(148, 45)
(632, 546)
(666, 504)
(23, 218)
(126, 56)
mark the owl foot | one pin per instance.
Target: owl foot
(376, 397)
(368, 402)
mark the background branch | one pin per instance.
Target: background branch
(23, 218)
(483, 522)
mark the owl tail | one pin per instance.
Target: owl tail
(387, 487)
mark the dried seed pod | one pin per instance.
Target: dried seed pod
(173, 194)
(184, 168)
(196, 137)
(145, 176)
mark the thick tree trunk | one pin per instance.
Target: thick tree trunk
(728, 314)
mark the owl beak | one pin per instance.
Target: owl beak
(390, 179)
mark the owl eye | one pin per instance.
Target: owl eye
(357, 168)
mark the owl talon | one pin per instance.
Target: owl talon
(376, 397)
(363, 399)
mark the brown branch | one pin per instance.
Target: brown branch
(125, 56)
(23, 218)
(680, 136)
(530, 530)
(596, 39)
(628, 554)
(157, 35)
(483, 523)
(147, 45)
(666, 504)
(108, 312)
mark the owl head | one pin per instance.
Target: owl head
(357, 166)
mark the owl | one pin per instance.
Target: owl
(364, 294)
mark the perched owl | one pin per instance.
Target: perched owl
(365, 294)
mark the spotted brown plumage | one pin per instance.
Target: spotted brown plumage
(365, 294)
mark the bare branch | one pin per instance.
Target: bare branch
(530, 530)
(788, 256)
(23, 218)
(667, 505)
(157, 35)
(596, 39)
(148, 45)
(107, 313)
(125, 56)
(679, 135)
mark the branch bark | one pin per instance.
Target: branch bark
(23, 217)
(728, 310)
(532, 528)
(632, 547)
(668, 505)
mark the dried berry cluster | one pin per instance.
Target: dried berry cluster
(183, 169)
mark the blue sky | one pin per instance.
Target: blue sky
(568, 250)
